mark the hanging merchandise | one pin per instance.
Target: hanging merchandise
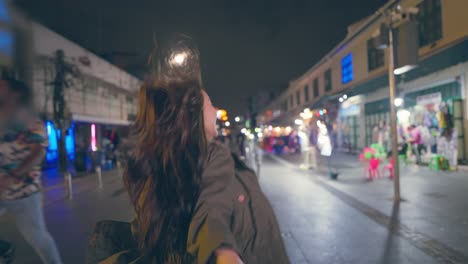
(447, 146)
(441, 117)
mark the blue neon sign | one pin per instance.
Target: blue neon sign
(347, 68)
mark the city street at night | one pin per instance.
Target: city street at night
(350, 220)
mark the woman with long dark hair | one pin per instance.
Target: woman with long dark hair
(194, 202)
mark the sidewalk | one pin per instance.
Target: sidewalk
(434, 204)
(71, 221)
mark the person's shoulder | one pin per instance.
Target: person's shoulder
(218, 151)
(219, 164)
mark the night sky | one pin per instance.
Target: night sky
(246, 46)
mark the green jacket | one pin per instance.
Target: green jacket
(232, 212)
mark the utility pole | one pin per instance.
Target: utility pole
(393, 117)
(394, 18)
(62, 69)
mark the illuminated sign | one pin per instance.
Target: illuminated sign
(347, 68)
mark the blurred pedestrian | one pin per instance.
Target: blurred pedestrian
(194, 203)
(416, 142)
(241, 144)
(305, 147)
(23, 140)
(313, 139)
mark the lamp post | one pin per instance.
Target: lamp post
(393, 118)
(406, 47)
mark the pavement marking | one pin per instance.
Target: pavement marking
(432, 247)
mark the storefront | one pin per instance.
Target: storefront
(377, 118)
(349, 123)
(431, 110)
(53, 136)
(83, 137)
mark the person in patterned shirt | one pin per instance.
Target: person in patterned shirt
(23, 140)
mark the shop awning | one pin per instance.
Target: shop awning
(324, 99)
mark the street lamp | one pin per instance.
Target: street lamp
(407, 55)
(237, 119)
(399, 102)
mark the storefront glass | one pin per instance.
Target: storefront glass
(432, 112)
(436, 115)
(349, 121)
(377, 120)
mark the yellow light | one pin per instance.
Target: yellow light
(222, 115)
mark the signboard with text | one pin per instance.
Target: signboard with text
(433, 98)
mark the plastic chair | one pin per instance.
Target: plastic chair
(403, 159)
(366, 155)
(373, 168)
(379, 150)
(434, 162)
(390, 166)
(369, 153)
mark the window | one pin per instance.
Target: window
(291, 102)
(306, 93)
(328, 80)
(298, 97)
(430, 22)
(375, 57)
(346, 68)
(316, 88)
(285, 106)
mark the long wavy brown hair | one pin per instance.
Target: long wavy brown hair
(164, 173)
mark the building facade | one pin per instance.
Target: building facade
(101, 99)
(351, 81)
